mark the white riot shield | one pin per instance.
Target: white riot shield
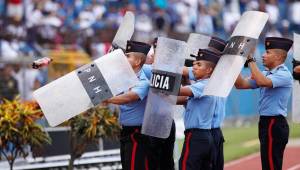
(296, 102)
(296, 84)
(85, 87)
(296, 46)
(195, 42)
(165, 84)
(124, 32)
(242, 40)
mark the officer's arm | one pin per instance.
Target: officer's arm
(181, 100)
(123, 98)
(185, 91)
(259, 77)
(242, 83)
(185, 71)
(297, 69)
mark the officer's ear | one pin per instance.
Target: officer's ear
(210, 67)
(140, 58)
(280, 54)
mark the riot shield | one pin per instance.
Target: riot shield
(85, 87)
(195, 42)
(296, 46)
(164, 87)
(296, 83)
(242, 41)
(124, 32)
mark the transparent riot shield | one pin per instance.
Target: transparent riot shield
(296, 83)
(195, 42)
(164, 87)
(85, 87)
(124, 32)
(242, 41)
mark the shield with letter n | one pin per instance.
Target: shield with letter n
(85, 87)
(125, 32)
(242, 41)
(196, 42)
(296, 83)
(164, 87)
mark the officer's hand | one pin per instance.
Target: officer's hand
(105, 102)
(297, 69)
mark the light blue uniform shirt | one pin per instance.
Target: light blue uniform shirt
(274, 101)
(219, 114)
(191, 74)
(132, 114)
(147, 69)
(200, 109)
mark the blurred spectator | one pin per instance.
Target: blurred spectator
(28, 80)
(204, 22)
(184, 24)
(86, 18)
(7, 50)
(231, 16)
(161, 22)
(35, 16)
(295, 16)
(98, 8)
(273, 11)
(8, 85)
(273, 32)
(143, 24)
(15, 8)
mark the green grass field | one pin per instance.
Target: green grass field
(242, 141)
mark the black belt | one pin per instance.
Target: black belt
(196, 130)
(279, 117)
(215, 129)
(131, 129)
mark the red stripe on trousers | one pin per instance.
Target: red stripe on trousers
(146, 164)
(270, 153)
(187, 150)
(133, 151)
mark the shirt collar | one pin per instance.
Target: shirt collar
(202, 80)
(139, 74)
(276, 68)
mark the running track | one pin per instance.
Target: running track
(291, 161)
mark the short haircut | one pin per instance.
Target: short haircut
(141, 56)
(281, 53)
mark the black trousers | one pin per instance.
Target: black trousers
(217, 149)
(133, 149)
(197, 149)
(160, 151)
(273, 137)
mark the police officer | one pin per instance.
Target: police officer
(275, 86)
(197, 148)
(216, 45)
(132, 107)
(160, 150)
(8, 84)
